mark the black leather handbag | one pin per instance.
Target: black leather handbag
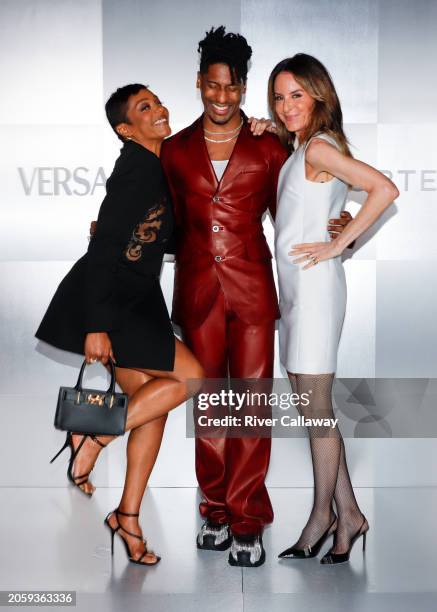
(90, 411)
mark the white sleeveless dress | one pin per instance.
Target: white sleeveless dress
(313, 301)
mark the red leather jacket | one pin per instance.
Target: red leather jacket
(220, 239)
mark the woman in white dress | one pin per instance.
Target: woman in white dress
(313, 186)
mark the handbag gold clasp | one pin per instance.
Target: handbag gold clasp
(95, 399)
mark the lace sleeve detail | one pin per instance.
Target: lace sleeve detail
(147, 230)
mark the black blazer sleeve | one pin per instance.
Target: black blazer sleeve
(127, 192)
(170, 247)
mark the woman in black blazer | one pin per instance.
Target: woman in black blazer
(110, 305)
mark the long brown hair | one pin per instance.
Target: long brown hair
(316, 80)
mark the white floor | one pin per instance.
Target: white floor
(54, 538)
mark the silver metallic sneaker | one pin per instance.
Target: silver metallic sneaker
(214, 537)
(247, 551)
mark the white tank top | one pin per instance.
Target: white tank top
(219, 166)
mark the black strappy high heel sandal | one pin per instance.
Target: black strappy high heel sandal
(308, 551)
(113, 531)
(331, 558)
(73, 455)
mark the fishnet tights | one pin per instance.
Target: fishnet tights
(331, 476)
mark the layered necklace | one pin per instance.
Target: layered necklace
(235, 133)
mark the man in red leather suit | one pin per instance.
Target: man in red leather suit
(224, 296)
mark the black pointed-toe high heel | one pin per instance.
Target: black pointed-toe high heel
(332, 558)
(309, 551)
(76, 480)
(128, 552)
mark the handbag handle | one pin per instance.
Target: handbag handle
(111, 387)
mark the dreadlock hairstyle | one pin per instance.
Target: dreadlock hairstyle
(316, 80)
(220, 48)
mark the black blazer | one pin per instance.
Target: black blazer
(134, 228)
(124, 257)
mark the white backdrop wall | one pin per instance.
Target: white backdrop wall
(60, 60)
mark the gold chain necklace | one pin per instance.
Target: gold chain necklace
(227, 132)
(226, 139)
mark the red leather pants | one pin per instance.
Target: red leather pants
(231, 471)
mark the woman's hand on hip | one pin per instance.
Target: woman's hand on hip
(98, 347)
(313, 252)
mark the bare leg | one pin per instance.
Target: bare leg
(142, 450)
(149, 409)
(165, 390)
(157, 394)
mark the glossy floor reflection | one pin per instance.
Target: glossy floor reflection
(54, 538)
